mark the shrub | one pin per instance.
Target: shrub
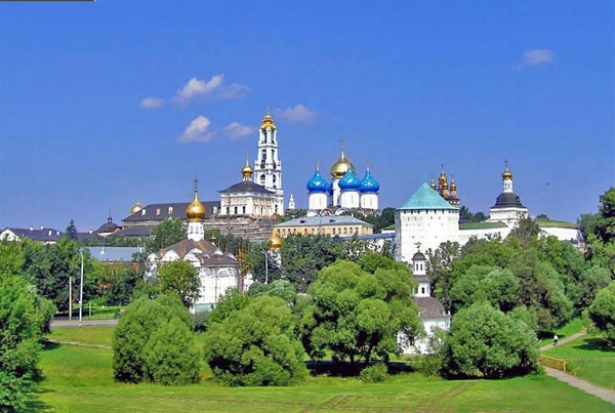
(376, 373)
(153, 341)
(253, 345)
(602, 312)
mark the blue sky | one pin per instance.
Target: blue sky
(410, 85)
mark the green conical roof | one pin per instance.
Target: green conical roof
(426, 198)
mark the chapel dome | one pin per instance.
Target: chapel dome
(108, 227)
(369, 184)
(135, 208)
(341, 166)
(508, 199)
(195, 210)
(274, 242)
(350, 181)
(317, 183)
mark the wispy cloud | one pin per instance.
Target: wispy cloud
(197, 131)
(151, 103)
(196, 87)
(536, 57)
(297, 114)
(232, 91)
(236, 130)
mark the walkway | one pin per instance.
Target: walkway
(587, 387)
(75, 323)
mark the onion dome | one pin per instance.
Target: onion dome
(342, 165)
(433, 184)
(267, 122)
(442, 179)
(507, 174)
(369, 184)
(136, 208)
(195, 210)
(317, 183)
(350, 181)
(274, 242)
(453, 185)
(247, 171)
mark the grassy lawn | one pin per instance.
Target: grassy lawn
(572, 327)
(589, 357)
(80, 379)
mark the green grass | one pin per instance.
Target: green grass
(572, 327)
(80, 379)
(92, 335)
(589, 358)
(554, 223)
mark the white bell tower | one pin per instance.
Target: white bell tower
(268, 167)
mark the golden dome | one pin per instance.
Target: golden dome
(433, 184)
(453, 185)
(195, 210)
(274, 242)
(342, 166)
(507, 174)
(442, 178)
(247, 171)
(136, 208)
(267, 122)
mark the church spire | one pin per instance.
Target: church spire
(507, 178)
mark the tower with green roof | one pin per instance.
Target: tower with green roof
(425, 219)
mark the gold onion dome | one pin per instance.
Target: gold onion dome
(507, 174)
(195, 210)
(136, 208)
(274, 242)
(442, 178)
(453, 185)
(341, 166)
(247, 171)
(433, 184)
(267, 122)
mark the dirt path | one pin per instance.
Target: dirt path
(587, 387)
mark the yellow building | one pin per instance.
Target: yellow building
(341, 225)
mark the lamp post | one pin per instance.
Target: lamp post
(81, 288)
(266, 266)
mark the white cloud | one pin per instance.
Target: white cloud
(151, 103)
(236, 130)
(536, 57)
(233, 91)
(197, 131)
(297, 114)
(196, 87)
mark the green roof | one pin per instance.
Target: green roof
(481, 225)
(554, 224)
(426, 198)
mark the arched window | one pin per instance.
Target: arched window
(263, 179)
(263, 155)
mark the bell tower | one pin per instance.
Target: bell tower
(268, 167)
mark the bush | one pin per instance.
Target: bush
(602, 312)
(200, 321)
(254, 345)
(153, 342)
(429, 365)
(376, 373)
(484, 342)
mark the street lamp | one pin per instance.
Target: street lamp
(81, 288)
(266, 266)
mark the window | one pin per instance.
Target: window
(170, 210)
(263, 155)
(235, 211)
(157, 211)
(228, 210)
(263, 179)
(422, 290)
(243, 208)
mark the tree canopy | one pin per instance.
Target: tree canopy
(602, 312)
(357, 315)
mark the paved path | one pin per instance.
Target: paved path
(587, 387)
(564, 340)
(75, 323)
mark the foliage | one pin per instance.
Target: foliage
(466, 215)
(484, 283)
(170, 354)
(526, 231)
(24, 318)
(71, 231)
(254, 345)
(179, 277)
(484, 342)
(201, 321)
(167, 233)
(279, 288)
(602, 312)
(599, 231)
(144, 348)
(232, 301)
(382, 220)
(358, 315)
(376, 373)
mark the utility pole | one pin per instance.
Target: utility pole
(81, 288)
(70, 297)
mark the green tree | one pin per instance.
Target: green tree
(255, 346)
(592, 280)
(484, 283)
(357, 315)
(167, 233)
(24, 317)
(180, 277)
(484, 342)
(279, 288)
(526, 231)
(602, 312)
(171, 356)
(142, 325)
(71, 231)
